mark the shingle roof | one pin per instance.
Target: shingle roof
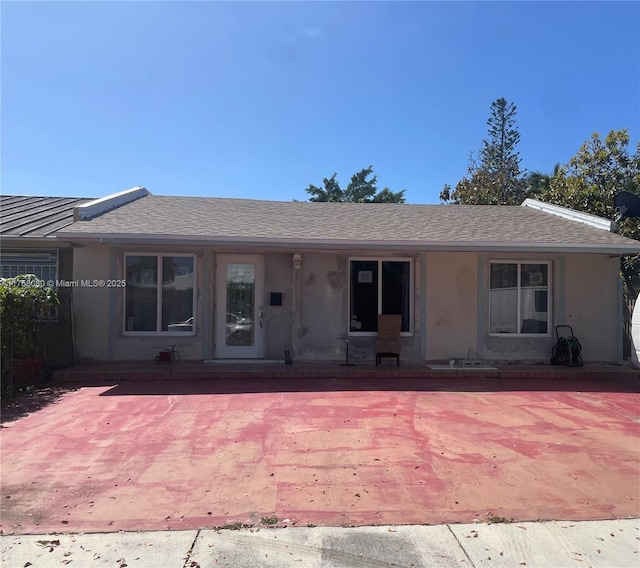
(28, 217)
(221, 220)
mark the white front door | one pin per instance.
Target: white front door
(239, 307)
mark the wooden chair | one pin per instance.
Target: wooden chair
(388, 341)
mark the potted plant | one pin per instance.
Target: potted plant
(26, 307)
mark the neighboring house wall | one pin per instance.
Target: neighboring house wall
(60, 334)
(451, 306)
(27, 230)
(591, 304)
(15, 259)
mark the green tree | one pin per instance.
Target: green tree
(540, 182)
(494, 177)
(361, 189)
(590, 180)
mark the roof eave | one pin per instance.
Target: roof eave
(345, 244)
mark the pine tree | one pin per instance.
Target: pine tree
(494, 178)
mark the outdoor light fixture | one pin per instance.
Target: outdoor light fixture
(297, 260)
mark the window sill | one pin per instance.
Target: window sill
(159, 334)
(527, 335)
(375, 334)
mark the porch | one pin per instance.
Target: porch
(114, 372)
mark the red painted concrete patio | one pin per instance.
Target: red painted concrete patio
(345, 450)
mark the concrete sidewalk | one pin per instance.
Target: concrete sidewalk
(606, 544)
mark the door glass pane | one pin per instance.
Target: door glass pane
(364, 295)
(142, 293)
(177, 293)
(241, 286)
(395, 290)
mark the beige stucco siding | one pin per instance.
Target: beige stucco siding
(98, 311)
(91, 304)
(451, 306)
(450, 315)
(591, 304)
(278, 279)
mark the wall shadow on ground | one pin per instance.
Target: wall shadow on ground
(293, 384)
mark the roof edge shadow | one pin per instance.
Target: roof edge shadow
(108, 202)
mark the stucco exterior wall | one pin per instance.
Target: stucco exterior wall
(584, 291)
(91, 304)
(321, 290)
(98, 311)
(451, 306)
(591, 305)
(278, 279)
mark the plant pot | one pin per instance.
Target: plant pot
(26, 371)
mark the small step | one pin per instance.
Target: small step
(472, 363)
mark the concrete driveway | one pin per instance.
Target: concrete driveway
(187, 454)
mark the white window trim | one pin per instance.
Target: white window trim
(160, 256)
(519, 262)
(380, 260)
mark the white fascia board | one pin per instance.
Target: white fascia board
(566, 213)
(102, 205)
(343, 244)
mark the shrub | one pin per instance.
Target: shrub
(26, 306)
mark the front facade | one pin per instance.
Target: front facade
(306, 277)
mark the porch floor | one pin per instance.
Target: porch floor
(101, 372)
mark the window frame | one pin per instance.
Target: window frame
(519, 262)
(159, 257)
(380, 260)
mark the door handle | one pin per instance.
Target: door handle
(261, 318)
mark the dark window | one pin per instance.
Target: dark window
(379, 287)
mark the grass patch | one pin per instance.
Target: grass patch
(494, 520)
(269, 520)
(233, 526)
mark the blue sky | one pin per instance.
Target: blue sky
(258, 100)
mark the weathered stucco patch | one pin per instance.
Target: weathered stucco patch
(335, 279)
